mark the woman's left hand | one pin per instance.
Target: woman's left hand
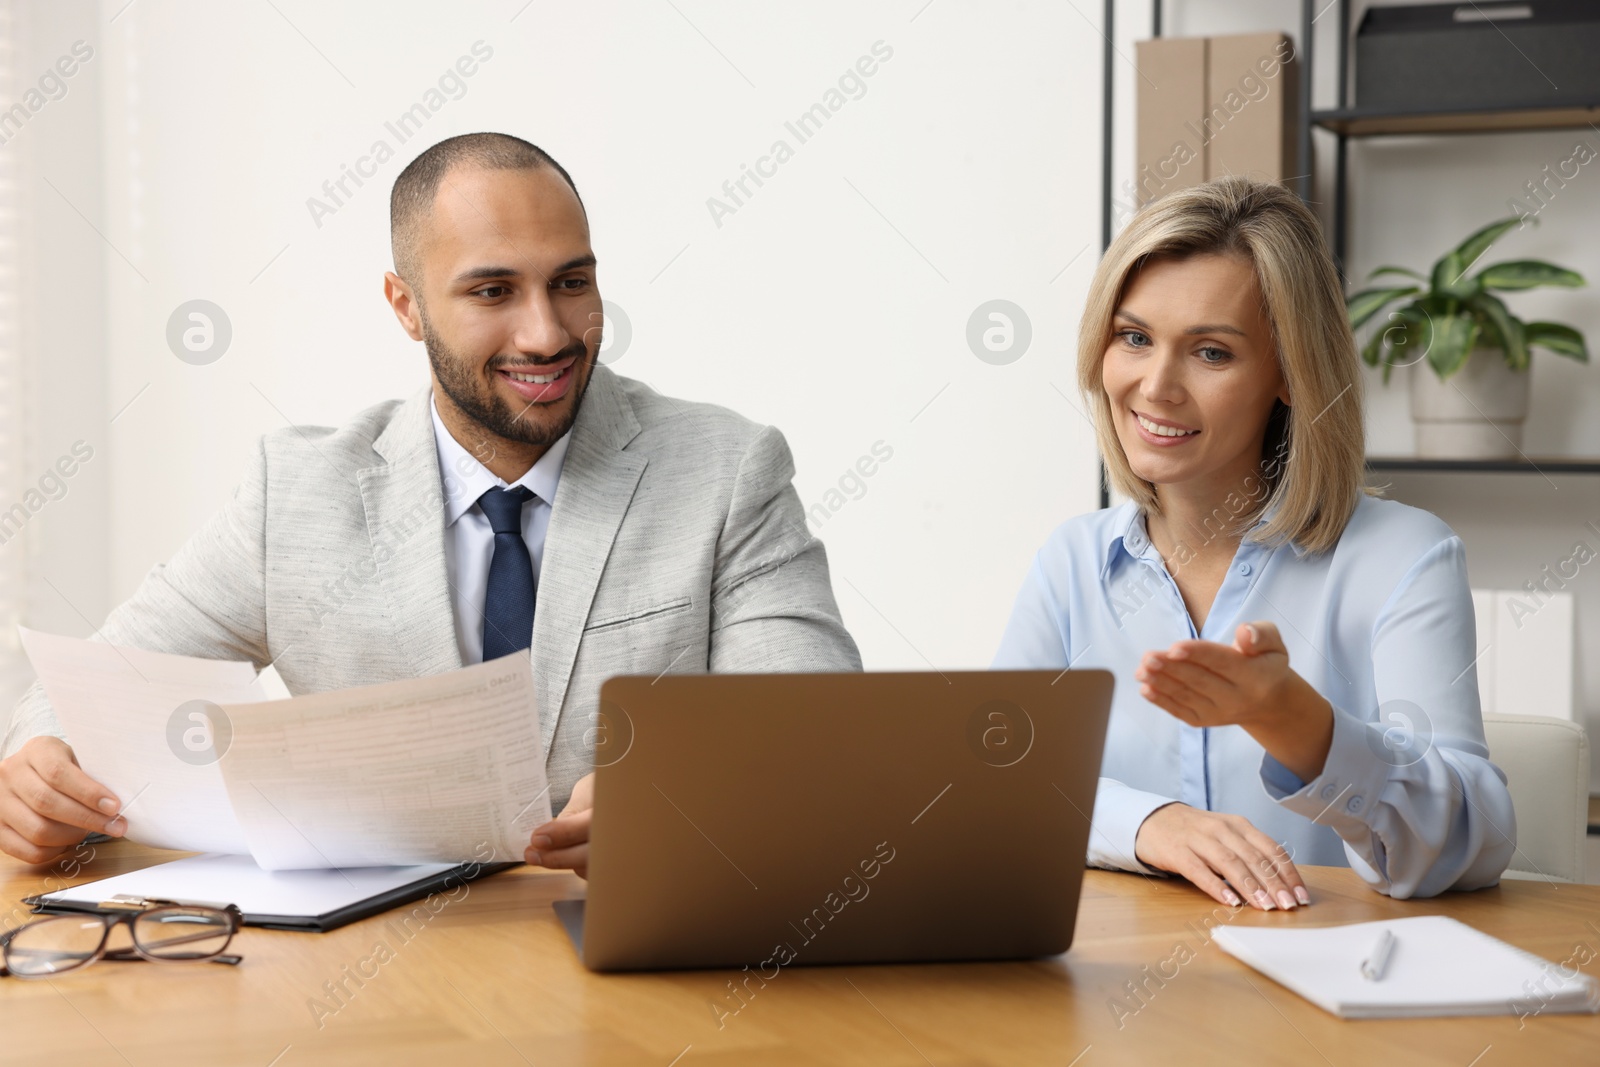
(1205, 683)
(1247, 684)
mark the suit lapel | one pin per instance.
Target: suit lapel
(598, 480)
(404, 505)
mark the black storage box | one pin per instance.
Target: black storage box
(1539, 53)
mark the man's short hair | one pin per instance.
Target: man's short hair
(411, 202)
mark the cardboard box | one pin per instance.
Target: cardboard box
(1169, 104)
(1207, 107)
(1252, 107)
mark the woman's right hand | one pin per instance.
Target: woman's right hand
(1216, 851)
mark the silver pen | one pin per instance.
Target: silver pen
(1377, 960)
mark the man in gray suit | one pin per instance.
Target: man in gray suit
(529, 497)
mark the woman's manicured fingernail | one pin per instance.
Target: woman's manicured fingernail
(108, 805)
(541, 842)
(1263, 901)
(1233, 899)
(1301, 895)
(532, 858)
(1285, 901)
(117, 827)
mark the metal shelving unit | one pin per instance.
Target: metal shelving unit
(1540, 465)
(1347, 124)
(1386, 122)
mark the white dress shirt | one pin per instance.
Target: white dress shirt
(1381, 625)
(468, 537)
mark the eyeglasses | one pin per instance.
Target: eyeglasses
(161, 931)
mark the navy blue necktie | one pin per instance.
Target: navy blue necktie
(508, 606)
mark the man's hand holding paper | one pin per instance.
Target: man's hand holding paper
(47, 802)
(563, 842)
(425, 770)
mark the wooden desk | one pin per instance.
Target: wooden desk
(492, 979)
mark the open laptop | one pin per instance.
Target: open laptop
(779, 819)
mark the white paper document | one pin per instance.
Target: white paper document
(441, 769)
(116, 706)
(237, 880)
(427, 769)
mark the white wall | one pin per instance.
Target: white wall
(978, 142)
(58, 320)
(807, 308)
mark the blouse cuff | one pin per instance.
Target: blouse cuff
(1346, 793)
(1119, 811)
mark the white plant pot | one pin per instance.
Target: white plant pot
(1477, 413)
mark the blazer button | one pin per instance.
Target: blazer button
(1244, 569)
(1328, 792)
(1353, 804)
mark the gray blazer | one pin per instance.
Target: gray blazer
(676, 543)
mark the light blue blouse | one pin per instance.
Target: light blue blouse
(1382, 626)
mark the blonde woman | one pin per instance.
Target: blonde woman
(1294, 658)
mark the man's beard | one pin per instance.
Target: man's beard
(487, 408)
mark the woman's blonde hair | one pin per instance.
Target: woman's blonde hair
(1313, 459)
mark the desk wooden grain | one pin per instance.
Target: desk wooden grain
(491, 979)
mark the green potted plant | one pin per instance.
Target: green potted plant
(1473, 404)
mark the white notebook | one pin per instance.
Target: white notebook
(1438, 966)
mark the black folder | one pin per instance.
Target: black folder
(86, 898)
